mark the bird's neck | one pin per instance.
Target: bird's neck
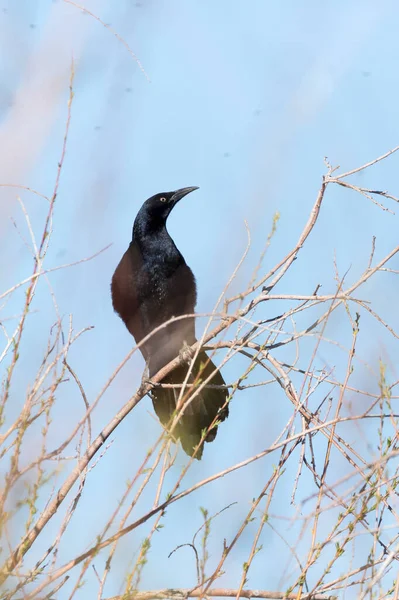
(145, 228)
(155, 242)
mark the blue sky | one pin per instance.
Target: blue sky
(245, 100)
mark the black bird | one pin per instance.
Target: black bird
(152, 284)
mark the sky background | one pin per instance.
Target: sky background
(244, 100)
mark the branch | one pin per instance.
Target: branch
(182, 594)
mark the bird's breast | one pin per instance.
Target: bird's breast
(155, 284)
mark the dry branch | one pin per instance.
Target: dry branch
(182, 594)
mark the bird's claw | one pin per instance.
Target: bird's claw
(149, 382)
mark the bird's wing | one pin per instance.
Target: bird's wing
(125, 299)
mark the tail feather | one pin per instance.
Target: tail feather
(208, 405)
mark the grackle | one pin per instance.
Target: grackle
(151, 285)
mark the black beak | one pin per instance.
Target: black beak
(179, 194)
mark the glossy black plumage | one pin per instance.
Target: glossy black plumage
(152, 284)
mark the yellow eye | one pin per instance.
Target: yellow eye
(163, 199)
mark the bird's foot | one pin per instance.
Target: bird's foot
(152, 384)
(186, 353)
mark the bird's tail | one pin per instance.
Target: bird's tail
(207, 406)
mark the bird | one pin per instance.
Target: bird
(152, 284)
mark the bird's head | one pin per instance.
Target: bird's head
(155, 211)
